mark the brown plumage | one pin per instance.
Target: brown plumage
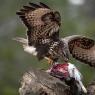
(79, 47)
(41, 21)
(43, 25)
(83, 49)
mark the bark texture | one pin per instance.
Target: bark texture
(38, 82)
(91, 88)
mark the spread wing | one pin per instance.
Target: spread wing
(31, 17)
(81, 48)
(29, 13)
(38, 31)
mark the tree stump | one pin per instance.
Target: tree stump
(39, 82)
(91, 88)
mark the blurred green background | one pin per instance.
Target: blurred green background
(78, 17)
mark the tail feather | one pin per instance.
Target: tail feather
(21, 40)
(26, 47)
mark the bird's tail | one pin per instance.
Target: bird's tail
(26, 47)
(21, 40)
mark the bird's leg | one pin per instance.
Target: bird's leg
(50, 61)
(51, 65)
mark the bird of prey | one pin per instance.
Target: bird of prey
(42, 22)
(76, 46)
(43, 26)
(43, 38)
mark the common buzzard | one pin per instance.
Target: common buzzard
(43, 41)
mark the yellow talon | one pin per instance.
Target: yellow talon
(50, 61)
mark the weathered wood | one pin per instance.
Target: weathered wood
(41, 83)
(91, 88)
(38, 82)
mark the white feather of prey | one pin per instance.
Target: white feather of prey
(74, 73)
(27, 48)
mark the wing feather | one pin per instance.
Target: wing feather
(35, 5)
(44, 5)
(27, 13)
(21, 40)
(82, 48)
(39, 32)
